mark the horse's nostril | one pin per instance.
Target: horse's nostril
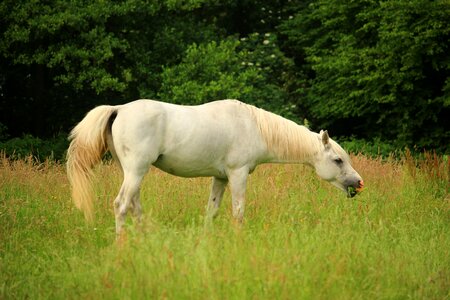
(361, 186)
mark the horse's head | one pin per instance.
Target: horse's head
(332, 164)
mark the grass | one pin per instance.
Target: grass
(302, 239)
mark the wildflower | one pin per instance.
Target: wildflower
(266, 42)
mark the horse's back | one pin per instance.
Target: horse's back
(191, 140)
(225, 117)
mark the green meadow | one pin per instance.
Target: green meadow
(301, 238)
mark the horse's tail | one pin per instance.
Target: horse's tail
(88, 145)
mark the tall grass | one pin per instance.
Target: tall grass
(302, 239)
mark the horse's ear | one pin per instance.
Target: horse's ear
(325, 138)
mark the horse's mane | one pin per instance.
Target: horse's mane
(287, 140)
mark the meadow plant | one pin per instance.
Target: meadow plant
(300, 239)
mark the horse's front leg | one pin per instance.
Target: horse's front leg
(238, 182)
(215, 197)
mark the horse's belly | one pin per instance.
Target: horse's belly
(188, 168)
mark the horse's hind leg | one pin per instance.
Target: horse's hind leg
(137, 133)
(128, 198)
(217, 190)
(136, 208)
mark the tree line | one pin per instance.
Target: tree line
(365, 70)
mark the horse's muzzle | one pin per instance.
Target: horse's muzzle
(353, 190)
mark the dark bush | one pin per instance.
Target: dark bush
(40, 149)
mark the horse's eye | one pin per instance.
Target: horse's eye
(338, 161)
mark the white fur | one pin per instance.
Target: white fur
(224, 139)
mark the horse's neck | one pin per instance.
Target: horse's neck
(287, 142)
(298, 149)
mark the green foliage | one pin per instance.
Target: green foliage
(371, 148)
(273, 92)
(251, 69)
(382, 63)
(39, 149)
(208, 72)
(165, 45)
(103, 46)
(73, 38)
(374, 70)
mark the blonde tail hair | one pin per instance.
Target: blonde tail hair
(88, 145)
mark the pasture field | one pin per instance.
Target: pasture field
(301, 239)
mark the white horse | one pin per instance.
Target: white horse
(224, 139)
